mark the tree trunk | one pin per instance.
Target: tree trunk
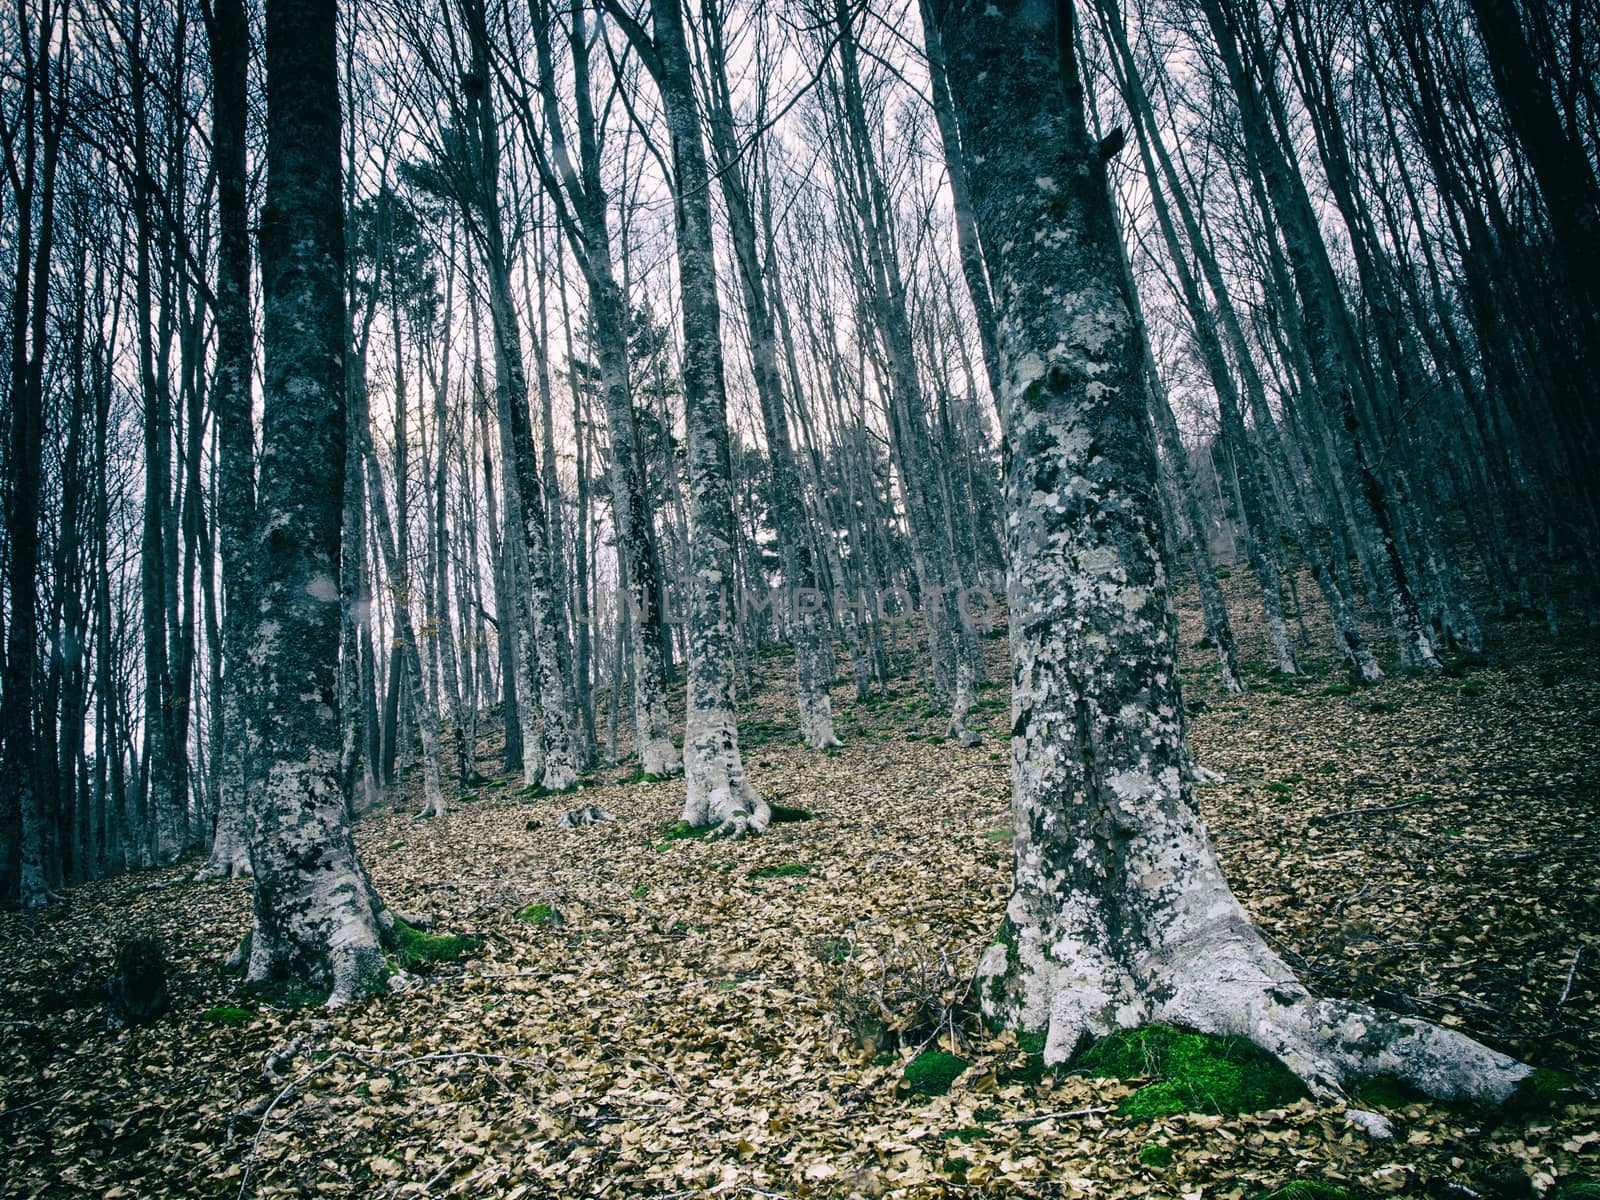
(717, 792)
(1119, 913)
(317, 920)
(22, 789)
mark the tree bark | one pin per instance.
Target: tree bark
(1119, 913)
(316, 918)
(717, 792)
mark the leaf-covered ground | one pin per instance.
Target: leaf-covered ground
(694, 1023)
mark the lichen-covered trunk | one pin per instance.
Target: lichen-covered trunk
(652, 728)
(716, 790)
(316, 918)
(545, 694)
(443, 623)
(1119, 913)
(394, 561)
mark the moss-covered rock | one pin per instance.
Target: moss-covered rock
(1190, 1072)
(933, 1071)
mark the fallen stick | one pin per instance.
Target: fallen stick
(1572, 974)
(1368, 812)
(1075, 1114)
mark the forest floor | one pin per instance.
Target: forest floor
(698, 1023)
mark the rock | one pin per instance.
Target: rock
(1375, 1125)
(592, 815)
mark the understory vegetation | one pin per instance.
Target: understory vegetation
(611, 1011)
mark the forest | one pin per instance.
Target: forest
(800, 598)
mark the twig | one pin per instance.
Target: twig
(266, 1115)
(51, 1095)
(492, 1058)
(1352, 898)
(1572, 974)
(442, 1172)
(1074, 1114)
(1368, 812)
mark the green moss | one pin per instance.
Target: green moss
(783, 814)
(996, 984)
(1339, 689)
(535, 791)
(836, 950)
(933, 1071)
(224, 1014)
(1307, 1189)
(643, 777)
(1385, 1091)
(781, 871)
(539, 914)
(413, 947)
(999, 835)
(1190, 1072)
(1544, 1089)
(1281, 789)
(288, 993)
(1032, 1069)
(683, 831)
(1578, 1189)
(1154, 1154)
(967, 1133)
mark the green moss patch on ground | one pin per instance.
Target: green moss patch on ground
(933, 1071)
(415, 948)
(1189, 1072)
